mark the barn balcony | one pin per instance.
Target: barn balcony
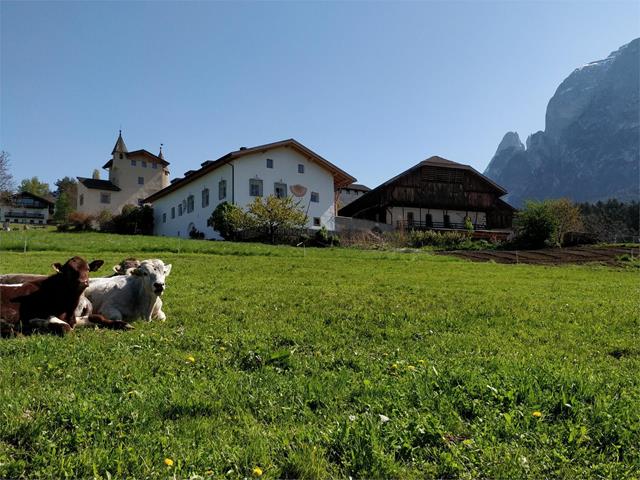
(11, 214)
(417, 225)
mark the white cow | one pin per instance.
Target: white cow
(131, 296)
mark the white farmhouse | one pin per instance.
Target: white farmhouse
(25, 207)
(281, 168)
(133, 176)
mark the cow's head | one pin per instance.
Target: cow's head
(125, 266)
(153, 274)
(76, 270)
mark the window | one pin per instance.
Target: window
(315, 197)
(269, 162)
(133, 163)
(255, 187)
(121, 156)
(300, 168)
(205, 198)
(316, 221)
(154, 165)
(280, 190)
(190, 204)
(180, 210)
(164, 218)
(140, 180)
(410, 218)
(447, 221)
(144, 164)
(81, 199)
(173, 212)
(140, 202)
(222, 189)
(105, 198)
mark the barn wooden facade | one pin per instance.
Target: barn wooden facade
(435, 194)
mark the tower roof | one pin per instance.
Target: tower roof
(119, 147)
(160, 155)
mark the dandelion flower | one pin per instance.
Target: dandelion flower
(256, 472)
(168, 462)
(394, 366)
(411, 368)
(191, 359)
(537, 414)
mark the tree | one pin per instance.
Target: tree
(6, 179)
(69, 186)
(66, 193)
(534, 224)
(35, 186)
(226, 219)
(272, 215)
(62, 208)
(566, 217)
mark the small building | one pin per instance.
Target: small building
(26, 208)
(349, 193)
(133, 176)
(285, 168)
(435, 194)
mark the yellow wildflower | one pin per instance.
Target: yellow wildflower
(256, 472)
(537, 414)
(191, 359)
(411, 368)
(168, 462)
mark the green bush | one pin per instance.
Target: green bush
(534, 225)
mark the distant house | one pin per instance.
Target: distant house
(348, 194)
(435, 194)
(285, 168)
(26, 208)
(133, 176)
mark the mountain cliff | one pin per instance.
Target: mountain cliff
(590, 148)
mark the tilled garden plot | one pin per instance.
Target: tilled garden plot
(553, 256)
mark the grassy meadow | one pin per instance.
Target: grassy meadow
(329, 363)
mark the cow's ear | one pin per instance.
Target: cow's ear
(95, 265)
(167, 270)
(135, 271)
(116, 268)
(57, 267)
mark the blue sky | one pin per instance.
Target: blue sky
(374, 87)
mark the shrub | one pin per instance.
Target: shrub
(196, 234)
(534, 225)
(132, 221)
(225, 219)
(446, 240)
(80, 222)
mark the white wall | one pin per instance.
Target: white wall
(285, 170)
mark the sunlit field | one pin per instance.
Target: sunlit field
(329, 363)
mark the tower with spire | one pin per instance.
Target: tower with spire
(133, 176)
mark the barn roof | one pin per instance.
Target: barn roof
(340, 177)
(434, 161)
(96, 184)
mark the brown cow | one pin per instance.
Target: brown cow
(49, 302)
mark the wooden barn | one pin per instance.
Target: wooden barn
(436, 194)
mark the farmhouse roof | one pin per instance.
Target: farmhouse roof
(48, 200)
(340, 177)
(96, 184)
(357, 186)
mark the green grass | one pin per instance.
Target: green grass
(297, 354)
